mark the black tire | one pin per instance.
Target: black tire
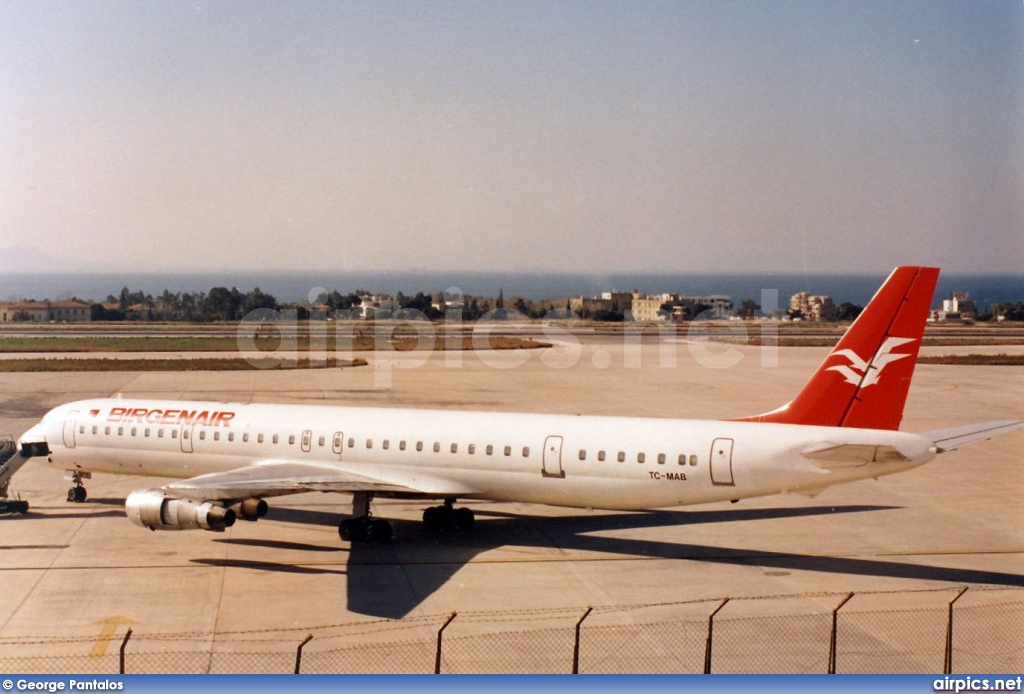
(345, 530)
(80, 495)
(463, 519)
(72, 495)
(379, 531)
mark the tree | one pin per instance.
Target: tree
(606, 316)
(257, 299)
(222, 304)
(848, 311)
(749, 308)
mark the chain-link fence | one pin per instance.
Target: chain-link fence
(925, 631)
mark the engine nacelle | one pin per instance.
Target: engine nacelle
(250, 509)
(156, 510)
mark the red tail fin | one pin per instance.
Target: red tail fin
(863, 382)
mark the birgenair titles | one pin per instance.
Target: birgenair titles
(229, 458)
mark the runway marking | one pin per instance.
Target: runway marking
(110, 625)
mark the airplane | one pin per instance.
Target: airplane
(228, 458)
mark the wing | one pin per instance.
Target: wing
(955, 437)
(281, 477)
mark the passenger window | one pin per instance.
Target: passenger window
(472, 448)
(437, 447)
(134, 430)
(159, 433)
(174, 433)
(259, 438)
(490, 449)
(81, 429)
(216, 436)
(351, 443)
(682, 459)
(583, 454)
(401, 445)
(291, 440)
(245, 437)
(231, 436)
(622, 456)
(641, 457)
(600, 456)
(419, 446)
(386, 444)
(455, 448)
(185, 433)
(106, 431)
(369, 443)
(661, 459)
(120, 431)
(95, 430)
(526, 451)
(321, 441)
(276, 438)
(202, 435)
(146, 432)
(693, 460)
(508, 450)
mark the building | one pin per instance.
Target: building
(619, 302)
(812, 307)
(70, 311)
(376, 306)
(648, 309)
(958, 306)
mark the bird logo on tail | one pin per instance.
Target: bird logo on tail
(866, 373)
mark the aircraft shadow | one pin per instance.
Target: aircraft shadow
(379, 583)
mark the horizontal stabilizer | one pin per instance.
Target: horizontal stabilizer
(836, 455)
(955, 437)
(278, 478)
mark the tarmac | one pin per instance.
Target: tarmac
(84, 572)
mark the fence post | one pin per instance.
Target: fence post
(832, 638)
(707, 646)
(124, 644)
(298, 653)
(948, 665)
(576, 647)
(437, 658)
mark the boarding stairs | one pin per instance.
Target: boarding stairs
(11, 461)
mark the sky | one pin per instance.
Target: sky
(533, 136)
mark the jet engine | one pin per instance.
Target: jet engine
(250, 509)
(156, 510)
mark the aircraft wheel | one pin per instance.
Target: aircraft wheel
(463, 519)
(76, 495)
(346, 529)
(379, 531)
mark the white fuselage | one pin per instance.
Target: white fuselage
(562, 460)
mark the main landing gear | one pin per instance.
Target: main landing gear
(77, 494)
(361, 527)
(439, 518)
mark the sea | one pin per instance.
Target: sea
(288, 287)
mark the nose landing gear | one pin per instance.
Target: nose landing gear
(77, 494)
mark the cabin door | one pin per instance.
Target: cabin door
(553, 457)
(69, 429)
(721, 462)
